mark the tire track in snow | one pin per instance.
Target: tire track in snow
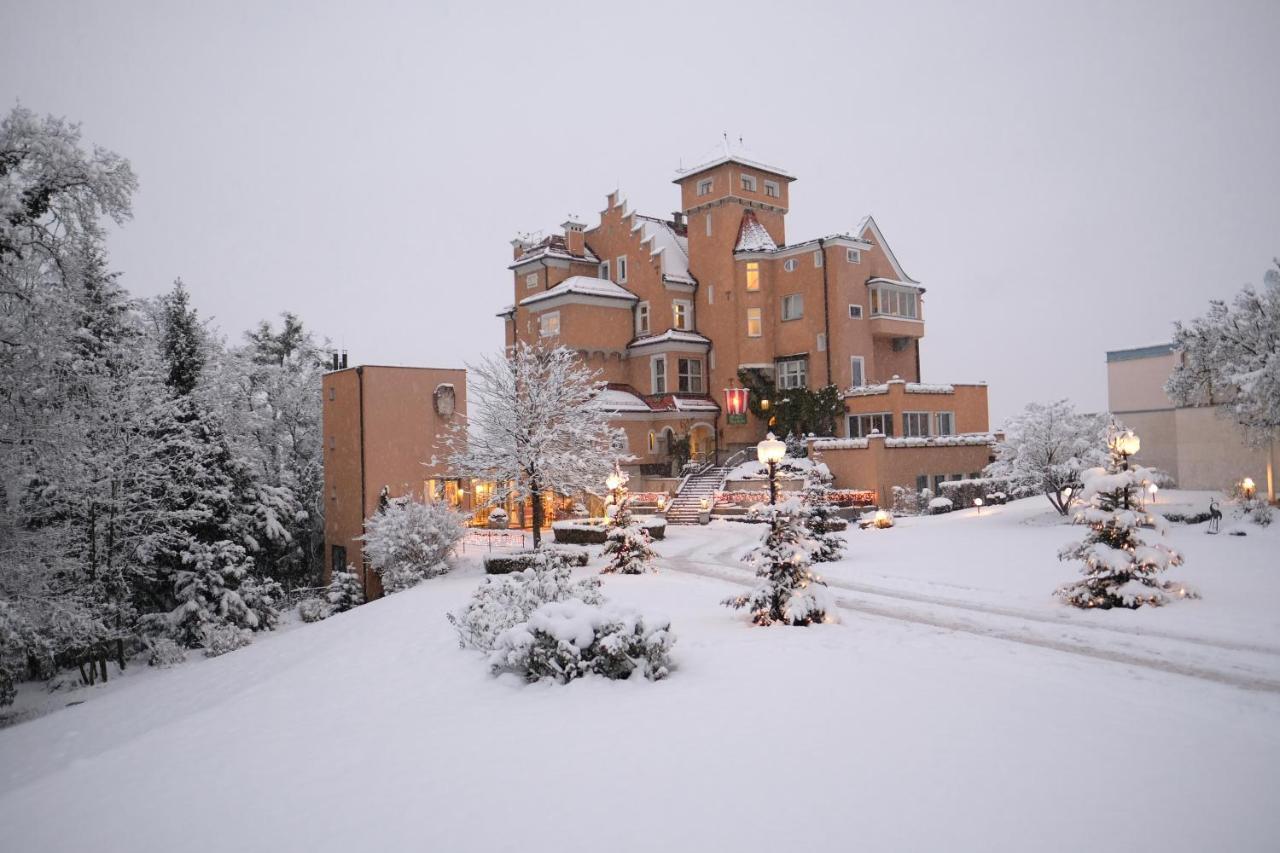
(1021, 635)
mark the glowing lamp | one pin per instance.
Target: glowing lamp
(765, 404)
(735, 401)
(612, 481)
(883, 519)
(770, 451)
(704, 504)
(978, 503)
(1066, 493)
(662, 502)
(1126, 443)
(1247, 486)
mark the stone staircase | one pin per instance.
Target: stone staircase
(687, 503)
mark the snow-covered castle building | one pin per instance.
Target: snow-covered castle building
(671, 309)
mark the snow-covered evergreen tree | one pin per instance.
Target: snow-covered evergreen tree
(1231, 356)
(1047, 446)
(409, 541)
(788, 591)
(821, 521)
(345, 591)
(628, 547)
(536, 428)
(215, 590)
(1120, 568)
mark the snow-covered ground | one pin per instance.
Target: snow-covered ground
(957, 706)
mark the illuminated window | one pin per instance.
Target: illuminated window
(431, 491)
(549, 324)
(682, 314)
(755, 328)
(753, 275)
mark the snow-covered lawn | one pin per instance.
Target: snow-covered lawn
(956, 707)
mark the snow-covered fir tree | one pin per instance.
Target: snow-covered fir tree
(821, 521)
(409, 541)
(1231, 357)
(536, 428)
(1046, 448)
(215, 590)
(344, 591)
(788, 591)
(1120, 568)
(628, 548)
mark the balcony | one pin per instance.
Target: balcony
(889, 326)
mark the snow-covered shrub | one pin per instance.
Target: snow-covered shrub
(937, 506)
(1046, 448)
(313, 609)
(964, 492)
(654, 526)
(498, 519)
(345, 591)
(408, 541)
(1256, 510)
(1120, 568)
(507, 600)
(19, 645)
(906, 501)
(823, 526)
(516, 561)
(579, 533)
(165, 653)
(225, 638)
(627, 547)
(566, 640)
(788, 591)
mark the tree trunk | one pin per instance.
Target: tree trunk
(535, 494)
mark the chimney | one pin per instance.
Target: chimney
(344, 359)
(517, 249)
(677, 221)
(574, 239)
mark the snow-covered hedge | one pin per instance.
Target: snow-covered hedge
(566, 640)
(937, 506)
(515, 561)
(313, 609)
(965, 492)
(225, 638)
(165, 653)
(408, 541)
(579, 533)
(503, 602)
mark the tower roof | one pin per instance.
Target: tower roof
(752, 236)
(730, 152)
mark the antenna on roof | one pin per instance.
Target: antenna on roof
(725, 134)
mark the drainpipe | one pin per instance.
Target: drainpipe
(826, 311)
(364, 562)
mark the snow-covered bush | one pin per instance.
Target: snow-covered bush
(566, 640)
(408, 541)
(226, 638)
(345, 591)
(1046, 448)
(498, 519)
(937, 506)
(1120, 568)
(507, 600)
(165, 653)
(313, 609)
(579, 533)
(516, 561)
(907, 501)
(214, 589)
(788, 591)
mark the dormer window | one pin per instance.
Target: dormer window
(705, 185)
(749, 183)
(604, 270)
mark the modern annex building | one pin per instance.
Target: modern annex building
(670, 309)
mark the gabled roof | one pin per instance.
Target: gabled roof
(624, 399)
(752, 236)
(869, 224)
(671, 249)
(675, 335)
(582, 285)
(730, 152)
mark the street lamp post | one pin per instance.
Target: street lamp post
(1125, 444)
(613, 483)
(770, 452)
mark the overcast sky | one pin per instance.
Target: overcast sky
(1064, 180)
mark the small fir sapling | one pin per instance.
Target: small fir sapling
(627, 547)
(408, 541)
(822, 522)
(165, 653)
(1120, 569)
(344, 591)
(313, 609)
(504, 601)
(788, 591)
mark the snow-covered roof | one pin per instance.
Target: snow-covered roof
(730, 152)
(868, 223)
(582, 285)
(507, 311)
(674, 335)
(553, 247)
(752, 236)
(671, 248)
(624, 399)
(961, 440)
(908, 387)
(618, 400)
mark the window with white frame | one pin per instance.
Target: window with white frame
(817, 258)
(772, 190)
(894, 302)
(755, 326)
(622, 269)
(855, 312)
(681, 314)
(792, 306)
(658, 371)
(749, 183)
(792, 373)
(549, 324)
(604, 270)
(944, 423)
(853, 256)
(790, 264)
(861, 426)
(857, 371)
(531, 281)
(642, 318)
(915, 424)
(689, 375)
(705, 185)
